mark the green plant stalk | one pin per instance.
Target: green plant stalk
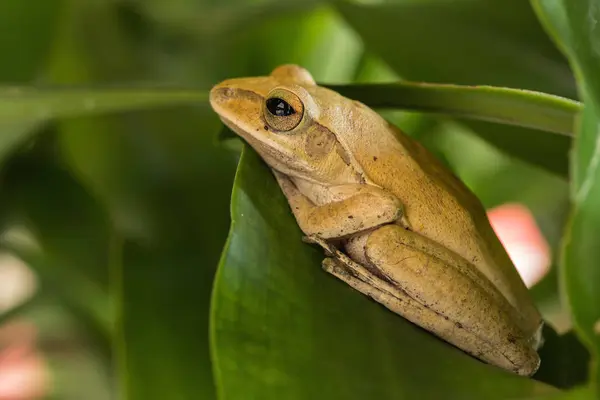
(487, 103)
(41, 103)
(508, 106)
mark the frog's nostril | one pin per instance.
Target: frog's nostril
(221, 94)
(225, 93)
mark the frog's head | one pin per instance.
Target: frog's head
(279, 116)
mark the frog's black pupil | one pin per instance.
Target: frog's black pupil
(279, 107)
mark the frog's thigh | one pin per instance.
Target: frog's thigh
(454, 306)
(400, 303)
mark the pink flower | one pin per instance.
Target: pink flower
(23, 374)
(519, 234)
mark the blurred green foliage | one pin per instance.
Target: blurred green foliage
(125, 191)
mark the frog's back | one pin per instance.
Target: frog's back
(437, 204)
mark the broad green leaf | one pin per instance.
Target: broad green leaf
(573, 25)
(283, 328)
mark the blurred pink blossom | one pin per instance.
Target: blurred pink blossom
(23, 373)
(519, 234)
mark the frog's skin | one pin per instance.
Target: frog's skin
(396, 224)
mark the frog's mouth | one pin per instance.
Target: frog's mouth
(271, 152)
(235, 128)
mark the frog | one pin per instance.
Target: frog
(394, 222)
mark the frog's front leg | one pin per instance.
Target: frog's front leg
(358, 207)
(443, 293)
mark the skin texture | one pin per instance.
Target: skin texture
(395, 223)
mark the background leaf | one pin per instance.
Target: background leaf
(568, 352)
(153, 171)
(458, 33)
(73, 241)
(26, 57)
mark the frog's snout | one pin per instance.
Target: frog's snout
(220, 95)
(233, 96)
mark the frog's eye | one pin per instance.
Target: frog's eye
(283, 110)
(279, 107)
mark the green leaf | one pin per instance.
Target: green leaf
(171, 254)
(565, 360)
(283, 328)
(579, 393)
(475, 42)
(24, 58)
(24, 108)
(166, 188)
(225, 18)
(37, 103)
(573, 25)
(34, 27)
(154, 171)
(164, 302)
(551, 152)
(72, 232)
(220, 40)
(487, 103)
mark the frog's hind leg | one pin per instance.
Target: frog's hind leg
(387, 294)
(395, 300)
(382, 254)
(446, 295)
(400, 303)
